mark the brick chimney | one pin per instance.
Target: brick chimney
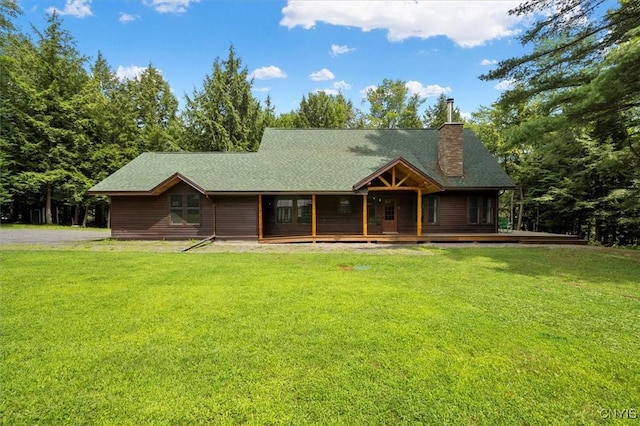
(450, 145)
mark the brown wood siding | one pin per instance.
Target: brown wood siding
(147, 217)
(453, 213)
(331, 221)
(236, 217)
(407, 212)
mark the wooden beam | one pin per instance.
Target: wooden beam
(313, 215)
(388, 188)
(403, 180)
(393, 176)
(387, 184)
(260, 225)
(419, 222)
(365, 221)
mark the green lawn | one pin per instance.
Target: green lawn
(438, 336)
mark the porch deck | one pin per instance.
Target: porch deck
(519, 237)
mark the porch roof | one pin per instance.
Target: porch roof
(307, 160)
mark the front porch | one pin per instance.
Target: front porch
(517, 237)
(388, 202)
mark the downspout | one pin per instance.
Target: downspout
(214, 218)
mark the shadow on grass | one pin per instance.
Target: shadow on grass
(580, 264)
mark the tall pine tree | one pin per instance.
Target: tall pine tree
(223, 115)
(52, 76)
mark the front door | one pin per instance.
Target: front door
(390, 216)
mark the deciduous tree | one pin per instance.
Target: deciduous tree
(321, 110)
(391, 106)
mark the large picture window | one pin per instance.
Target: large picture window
(293, 210)
(480, 210)
(184, 209)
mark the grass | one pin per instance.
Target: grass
(435, 336)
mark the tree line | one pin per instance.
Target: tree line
(567, 132)
(67, 121)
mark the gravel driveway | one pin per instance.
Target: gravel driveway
(49, 236)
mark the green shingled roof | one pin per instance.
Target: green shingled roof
(316, 160)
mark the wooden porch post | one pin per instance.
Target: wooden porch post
(260, 226)
(313, 215)
(419, 222)
(364, 215)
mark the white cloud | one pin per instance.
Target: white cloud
(322, 75)
(130, 72)
(125, 18)
(77, 8)
(267, 73)
(468, 23)
(338, 87)
(430, 91)
(340, 50)
(505, 85)
(341, 85)
(486, 62)
(170, 6)
(332, 92)
(261, 89)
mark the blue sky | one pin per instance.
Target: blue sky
(295, 47)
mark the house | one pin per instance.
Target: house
(313, 183)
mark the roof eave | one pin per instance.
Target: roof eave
(173, 180)
(118, 193)
(477, 188)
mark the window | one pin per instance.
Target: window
(480, 210)
(432, 205)
(371, 211)
(284, 211)
(293, 210)
(304, 211)
(389, 210)
(184, 209)
(345, 206)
